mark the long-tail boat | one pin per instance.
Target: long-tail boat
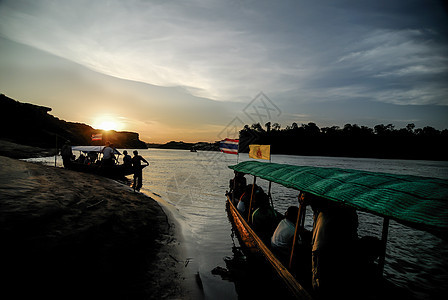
(96, 167)
(417, 202)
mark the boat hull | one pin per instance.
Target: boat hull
(254, 245)
(118, 171)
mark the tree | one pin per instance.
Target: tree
(366, 130)
(311, 129)
(331, 131)
(379, 129)
(410, 127)
(268, 127)
(257, 127)
(390, 128)
(276, 126)
(348, 129)
(384, 129)
(430, 131)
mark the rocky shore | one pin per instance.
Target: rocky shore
(70, 235)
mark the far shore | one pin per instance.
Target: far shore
(70, 235)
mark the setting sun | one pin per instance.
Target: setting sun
(107, 123)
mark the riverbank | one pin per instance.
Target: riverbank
(73, 235)
(19, 151)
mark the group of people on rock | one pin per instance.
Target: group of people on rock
(330, 254)
(134, 162)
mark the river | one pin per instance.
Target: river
(193, 184)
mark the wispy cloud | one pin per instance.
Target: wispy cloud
(394, 66)
(162, 44)
(226, 51)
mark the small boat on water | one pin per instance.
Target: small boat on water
(89, 161)
(417, 202)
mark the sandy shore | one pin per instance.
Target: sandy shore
(72, 235)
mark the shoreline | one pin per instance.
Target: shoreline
(74, 235)
(19, 151)
(192, 282)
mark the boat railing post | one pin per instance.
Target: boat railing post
(269, 194)
(302, 216)
(233, 190)
(384, 235)
(56, 154)
(251, 197)
(296, 232)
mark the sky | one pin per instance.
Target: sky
(200, 70)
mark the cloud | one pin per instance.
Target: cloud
(393, 66)
(230, 51)
(166, 45)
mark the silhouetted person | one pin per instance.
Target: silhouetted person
(136, 164)
(81, 159)
(244, 201)
(334, 233)
(264, 219)
(93, 156)
(67, 154)
(237, 186)
(283, 236)
(127, 159)
(108, 155)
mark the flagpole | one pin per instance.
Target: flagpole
(56, 154)
(238, 152)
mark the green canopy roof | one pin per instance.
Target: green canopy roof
(420, 202)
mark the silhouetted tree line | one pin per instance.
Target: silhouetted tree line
(382, 141)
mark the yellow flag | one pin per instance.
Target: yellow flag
(260, 151)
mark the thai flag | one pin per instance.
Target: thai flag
(229, 146)
(97, 137)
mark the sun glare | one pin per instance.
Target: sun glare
(107, 123)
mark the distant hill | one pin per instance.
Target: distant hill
(203, 146)
(32, 125)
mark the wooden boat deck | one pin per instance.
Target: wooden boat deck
(255, 245)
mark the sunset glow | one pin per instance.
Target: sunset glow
(107, 123)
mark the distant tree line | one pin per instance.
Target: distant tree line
(382, 141)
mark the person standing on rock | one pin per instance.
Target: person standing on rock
(136, 164)
(108, 155)
(67, 154)
(127, 159)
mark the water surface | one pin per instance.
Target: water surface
(194, 185)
